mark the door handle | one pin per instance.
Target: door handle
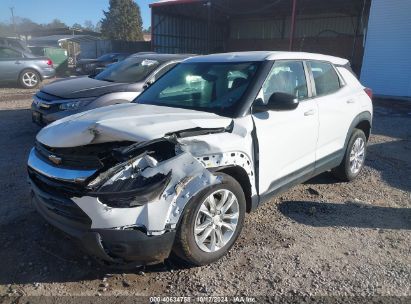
(309, 112)
(17, 62)
(350, 101)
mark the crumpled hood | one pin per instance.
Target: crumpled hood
(125, 122)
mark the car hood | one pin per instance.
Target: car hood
(125, 122)
(84, 87)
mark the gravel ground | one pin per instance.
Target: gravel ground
(321, 238)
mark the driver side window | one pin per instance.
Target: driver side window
(285, 77)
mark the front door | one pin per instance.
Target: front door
(287, 139)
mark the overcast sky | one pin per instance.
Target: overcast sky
(73, 11)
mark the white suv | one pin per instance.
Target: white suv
(209, 141)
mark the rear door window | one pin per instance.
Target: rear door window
(326, 79)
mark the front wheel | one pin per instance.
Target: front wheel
(29, 79)
(354, 157)
(211, 223)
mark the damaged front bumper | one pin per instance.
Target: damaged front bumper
(139, 226)
(116, 246)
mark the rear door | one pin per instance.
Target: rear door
(286, 139)
(337, 106)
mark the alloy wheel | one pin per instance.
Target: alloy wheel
(30, 79)
(357, 155)
(216, 220)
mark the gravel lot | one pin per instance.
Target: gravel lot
(321, 238)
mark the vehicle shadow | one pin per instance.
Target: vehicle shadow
(17, 136)
(36, 252)
(326, 178)
(348, 214)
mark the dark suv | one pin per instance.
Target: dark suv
(119, 83)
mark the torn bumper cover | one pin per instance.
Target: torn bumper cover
(124, 214)
(111, 245)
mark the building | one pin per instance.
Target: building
(387, 60)
(333, 27)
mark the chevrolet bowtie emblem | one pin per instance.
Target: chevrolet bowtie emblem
(55, 160)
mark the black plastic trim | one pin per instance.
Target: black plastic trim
(363, 116)
(302, 175)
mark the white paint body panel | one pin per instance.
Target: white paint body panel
(126, 122)
(336, 113)
(157, 214)
(287, 141)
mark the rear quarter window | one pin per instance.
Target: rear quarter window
(326, 79)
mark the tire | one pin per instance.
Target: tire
(346, 171)
(187, 246)
(29, 79)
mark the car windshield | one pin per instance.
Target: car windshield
(128, 71)
(211, 87)
(106, 57)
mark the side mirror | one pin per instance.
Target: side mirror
(278, 102)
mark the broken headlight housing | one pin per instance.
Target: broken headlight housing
(124, 186)
(133, 192)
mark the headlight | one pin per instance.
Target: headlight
(75, 104)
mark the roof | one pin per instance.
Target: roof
(168, 2)
(266, 55)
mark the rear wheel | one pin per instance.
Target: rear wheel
(211, 223)
(29, 79)
(354, 157)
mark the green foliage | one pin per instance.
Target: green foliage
(122, 21)
(77, 26)
(56, 23)
(24, 25)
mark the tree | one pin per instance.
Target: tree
(122, 21)
(147, 30)
(56, 23)
(88, 25)
(77, 26)
(97, 28)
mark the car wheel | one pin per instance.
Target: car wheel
(211, 223)
(354, 157)
(29, 79)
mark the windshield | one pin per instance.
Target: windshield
(128, 71)
(211, 87)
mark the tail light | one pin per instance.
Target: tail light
(49, 62)
(369, 92)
